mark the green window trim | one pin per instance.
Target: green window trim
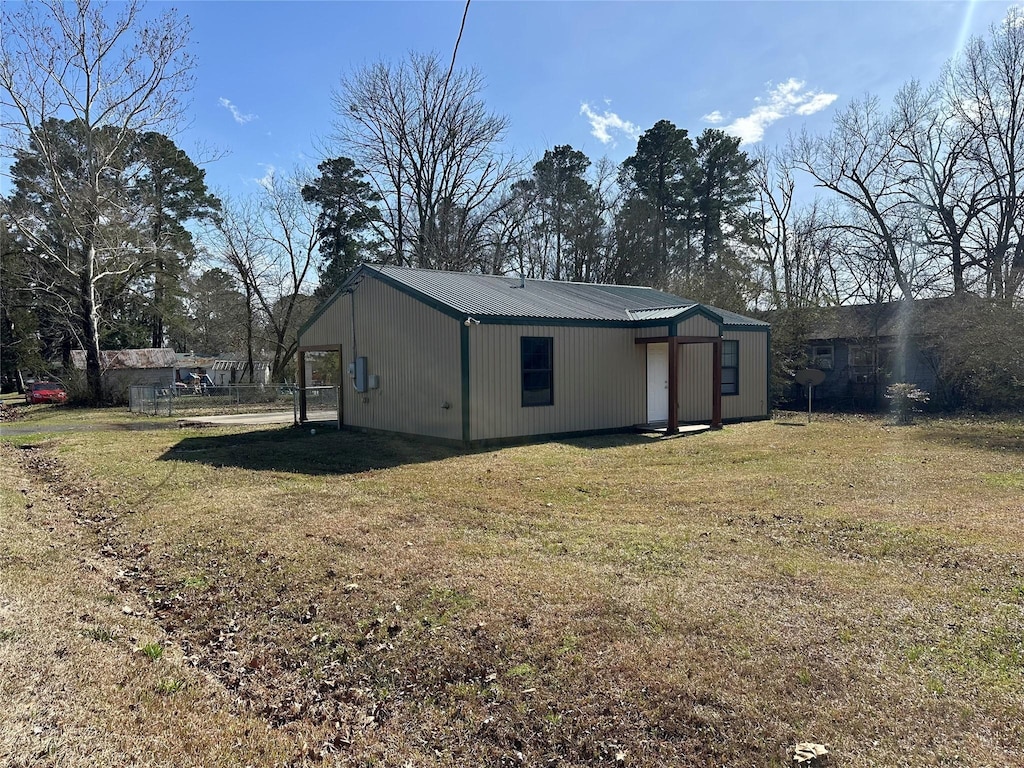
(537, 361)
(730, 367)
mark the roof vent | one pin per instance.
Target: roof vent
(522, 280)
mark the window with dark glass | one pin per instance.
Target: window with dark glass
(730, 367)
(538, 373)
(822, 357)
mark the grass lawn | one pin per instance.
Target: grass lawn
(271, 597)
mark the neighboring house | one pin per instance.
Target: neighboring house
(121, 368)
(866, 347)
(475, 359)
(190, 367)
(225, 371)
(222, 370)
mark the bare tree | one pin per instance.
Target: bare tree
(430, 147)
(935, 158)
(240, 247)
(291, 237)
(985, 86)
(857, 162)
(271, 242)
(111, 77)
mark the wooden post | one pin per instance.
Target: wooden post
(300, 380)
(716, 395)
(673, 387)
(341, 384)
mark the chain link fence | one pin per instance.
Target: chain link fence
(205, 400)
(150, 400)
(321, 404)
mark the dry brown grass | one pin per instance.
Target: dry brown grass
(357, 600)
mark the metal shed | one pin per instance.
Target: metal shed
(475, 359)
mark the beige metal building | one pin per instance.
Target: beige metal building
(479, 358)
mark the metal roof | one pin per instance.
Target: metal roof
(852, 321)
(732, 318)
(124, 359)
(483, 296)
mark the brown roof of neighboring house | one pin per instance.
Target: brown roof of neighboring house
(127, 359)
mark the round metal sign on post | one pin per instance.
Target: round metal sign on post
(810, 378)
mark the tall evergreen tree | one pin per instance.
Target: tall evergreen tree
(348, 213)
(723, 186)
(171, 192)
(660, 173)
(561, 192)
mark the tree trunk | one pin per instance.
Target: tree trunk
(90, 329)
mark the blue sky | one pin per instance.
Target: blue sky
(589, 74)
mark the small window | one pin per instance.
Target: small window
(822, 357)
(538, 370)
(862, 357)
(869, 364)
(730, 367)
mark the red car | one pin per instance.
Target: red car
(45, 392)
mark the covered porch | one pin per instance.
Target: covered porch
(670, 390)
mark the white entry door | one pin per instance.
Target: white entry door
(657, 383)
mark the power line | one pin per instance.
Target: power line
(458, 40)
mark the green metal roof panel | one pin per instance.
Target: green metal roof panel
(494, 295)
(483, 296)
(662, 313)
(731, 318)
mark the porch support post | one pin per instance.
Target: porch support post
(341, 384)
(673, 386)
(716, 385)
(300, 379)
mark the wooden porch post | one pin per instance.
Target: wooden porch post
(341, 384)
(673, 386)
(300, 380)
(716, 396)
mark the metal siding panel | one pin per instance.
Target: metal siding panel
(326, 329)
(697, 326)
(695, 382)
(415, 351)
(750, 403)
(599, 381)
(652, 332)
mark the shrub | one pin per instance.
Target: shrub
(905, 399)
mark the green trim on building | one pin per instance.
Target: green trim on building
(464, 361)
(430, 301)
(746, 328)
(699, 310)
(365, 269)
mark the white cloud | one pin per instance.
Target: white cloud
(602, 125)
(267, 181)
(784, 100)
(714, 118)
(817, 103)
(240, 118)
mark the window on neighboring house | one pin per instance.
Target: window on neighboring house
(868, 364)
(822, 357)
(538, 370)
(730, 367)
